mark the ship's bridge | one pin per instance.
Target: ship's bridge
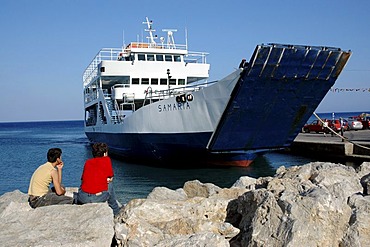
(139, 67)
(115, 62)
(146, 60)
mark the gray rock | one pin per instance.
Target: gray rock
(152, 222)
(301, 206)
(202, 239)
(197, 189)
(363, 169)
(358, 232)
(317, 204)
(245, 182)
(365, 182)
(163, 193)
(56, 225)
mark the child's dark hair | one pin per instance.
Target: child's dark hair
(53, 154)
(99, 148)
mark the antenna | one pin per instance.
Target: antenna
(162, 41)
(150, 30)
(170, 39)
(186, 38)
(123, 39)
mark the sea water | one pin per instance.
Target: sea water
(24, 147)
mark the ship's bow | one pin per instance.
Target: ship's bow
(276, 94)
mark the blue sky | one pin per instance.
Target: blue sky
(46, 45)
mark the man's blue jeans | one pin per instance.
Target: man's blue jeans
(105, 196)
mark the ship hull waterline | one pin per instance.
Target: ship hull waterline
(156, 149)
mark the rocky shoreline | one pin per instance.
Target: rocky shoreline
(317, 204)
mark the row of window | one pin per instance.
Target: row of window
(158, 57)
(156, 81)
(152, 57)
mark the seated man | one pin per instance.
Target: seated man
(39, 190)
(97, 178)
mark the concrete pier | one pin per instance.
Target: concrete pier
(352, 146)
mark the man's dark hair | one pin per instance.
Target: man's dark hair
(53, 154)
(99, 148)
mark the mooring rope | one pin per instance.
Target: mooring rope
(342, 137)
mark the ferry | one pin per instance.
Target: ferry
(152, 101)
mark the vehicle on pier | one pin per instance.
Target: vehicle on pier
(354, 123)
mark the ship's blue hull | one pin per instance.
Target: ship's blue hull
(170, 149)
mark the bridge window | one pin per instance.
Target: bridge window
(181, 81)
(150, 57)
(163, 81)
(168, 58)
(154, 81)
(159, 57)
(172, 81)
(145, 81)
(135, 81)
(177, 58)
(141, 57)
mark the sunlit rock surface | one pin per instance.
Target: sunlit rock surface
(317, 204)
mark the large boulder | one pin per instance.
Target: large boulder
(304, 206)
(56, 225)
(318, 204)
(192, 216)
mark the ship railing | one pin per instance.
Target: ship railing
(106, 94)
(148, 95)
(121, 111)
(108, 107)
(92, 69)
(116, 117)
(151, 95)
(196, 57)
(91, 96)
(117, 111)
(155, 46)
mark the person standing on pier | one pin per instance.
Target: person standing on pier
(341, 127)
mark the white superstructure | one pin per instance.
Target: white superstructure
(139, 71)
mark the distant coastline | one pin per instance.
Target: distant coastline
(345, 112)
(40, 121)
(329, 115)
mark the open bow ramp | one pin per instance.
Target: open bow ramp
(276, 94)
